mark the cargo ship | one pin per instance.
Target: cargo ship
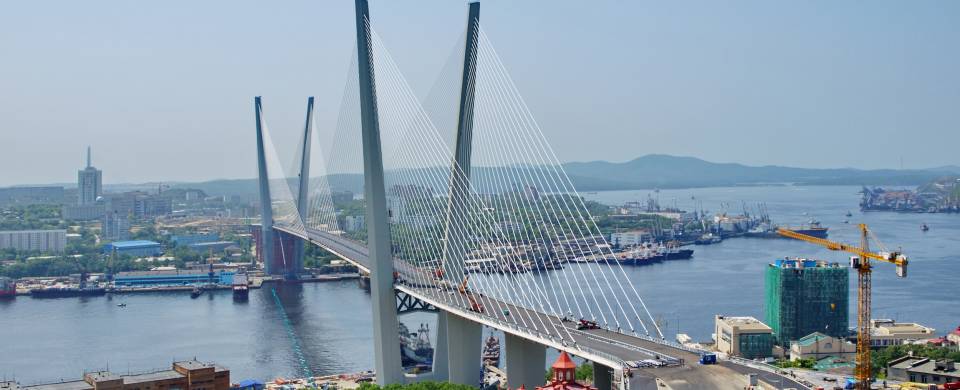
(673, 251)
(67, 292)
(8, 287)
(812, 229)
(649, 253)
(415, 348)
(640, 255)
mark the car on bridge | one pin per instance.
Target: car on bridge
(587, 325)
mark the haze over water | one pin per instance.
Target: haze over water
(45, 340)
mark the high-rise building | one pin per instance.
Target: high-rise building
(805, 296)
(89, 183)
(34, 240)
(116, 226)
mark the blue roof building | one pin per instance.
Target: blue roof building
(136, 248)
(172, 278)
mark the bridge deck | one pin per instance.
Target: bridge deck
(600, 345)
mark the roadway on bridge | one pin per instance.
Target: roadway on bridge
(601, 345)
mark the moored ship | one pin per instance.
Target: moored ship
(66, 292)
(415, 348)
(813, 229)
(241, 287)
(8, 287)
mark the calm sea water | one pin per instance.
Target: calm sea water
(325, 327)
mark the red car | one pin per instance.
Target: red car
(586, 324)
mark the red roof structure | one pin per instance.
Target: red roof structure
(564, 376)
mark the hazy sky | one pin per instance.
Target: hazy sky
(163, 90)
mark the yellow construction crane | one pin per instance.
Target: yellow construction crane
(861, 262)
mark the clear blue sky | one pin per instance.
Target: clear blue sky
(163, 90)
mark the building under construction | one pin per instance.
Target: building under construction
(805, 296)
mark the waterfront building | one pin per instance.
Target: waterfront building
(34, 240)
(818, 346)
(564, 376)
(89, 183)
(115, 227)
(172, 277)
(135, 248)
(805, 296)
(630, 238)
(30, 195)
(184, 375)
(922, 370)
(885, 332)
(743, 336)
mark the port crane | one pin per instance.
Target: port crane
(861, 262)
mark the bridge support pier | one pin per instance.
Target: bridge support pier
(525, 362)
(602, 377)
(463, 350)
(441, 368)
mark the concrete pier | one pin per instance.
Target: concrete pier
(525, 362)
(441, 369)
(463, 350)
(602, 377)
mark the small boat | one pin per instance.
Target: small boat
(924, 227)
(846, 221)
(121, 305)
(196, 292)
(849, 214)
(241, 289)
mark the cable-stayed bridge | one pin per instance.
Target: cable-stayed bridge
(465, 210)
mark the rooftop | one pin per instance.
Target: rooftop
(744, 323)
(35, 231)
(134, 244)
(788, 262)
(812, 338)
(164, 272)
(101, 376)
(926, 366)
(192, 364)
(891, 327)
(151, 377)
(72, 385)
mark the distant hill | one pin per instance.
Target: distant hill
(663, 171)
(660, 171)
